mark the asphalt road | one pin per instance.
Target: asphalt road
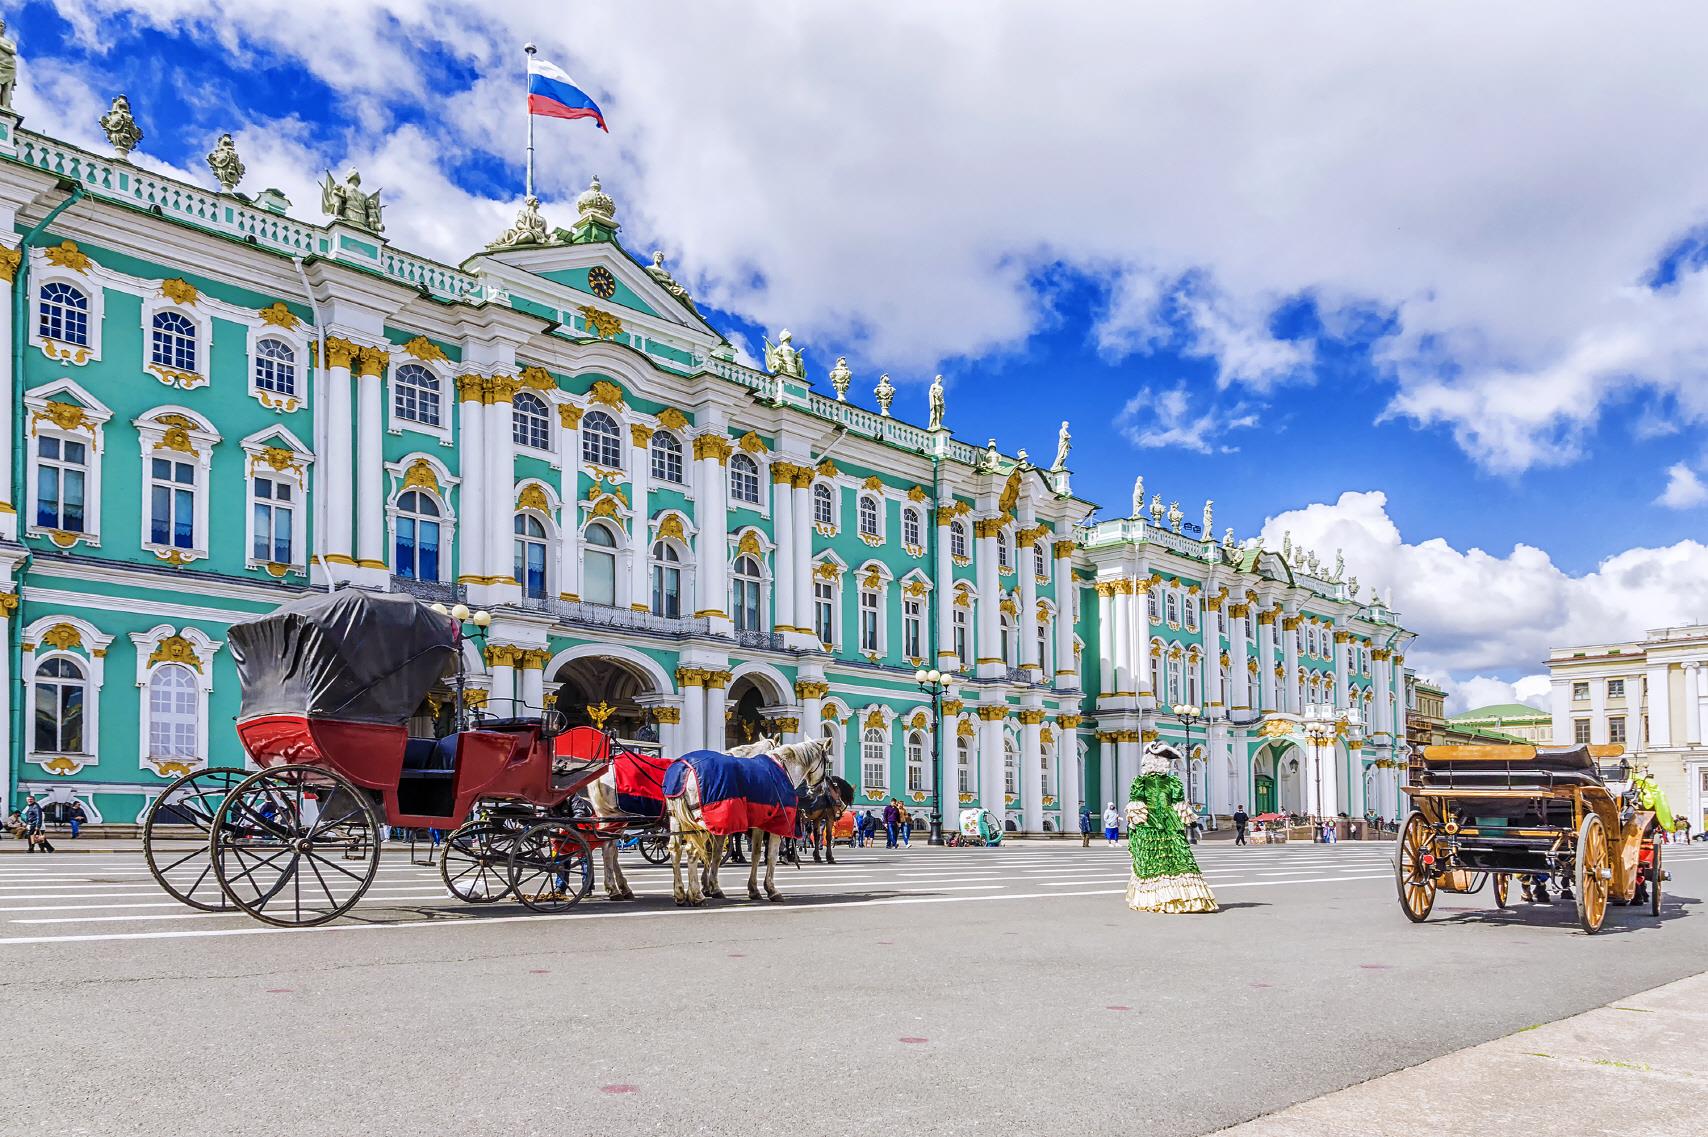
(920, 991)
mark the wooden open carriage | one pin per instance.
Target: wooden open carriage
(328, 684)
(1488, 813)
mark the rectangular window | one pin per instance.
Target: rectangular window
(1616, 729)
(172, 510)
(273, 505)
(1616, 688)
(912, 628)
(868, 621)
(824, 612)
(964, 768)
(1152, 607)
(62, 470)
(1191, 613)
(961, 636)
(1580, 691)
(1580, 730)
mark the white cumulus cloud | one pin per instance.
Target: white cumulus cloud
(1684, 489)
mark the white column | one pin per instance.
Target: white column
(472, 498)
(340, 468)
(783, 536)
(1598, 710)
(1700, 707)
(1215, 699)
(1126, 765)
(943, 594)
(711, 451)
(1140, 615)
(669, 718)
(1383, 712)
(717, 683)
(990, 773)
(1239, 676)
(811, 694)
(8, 788)
(1692, 702)
(1027, 626)
(370, 487)
(569, 493)
(1067, 597)
(1109, 639)
(1108, 776)
(801, 492)
(640, 540)
(9, 503)
(1660, 707)
(1070, 779)
(1031, 771)
(1290, 666)
(989, 648)
(501, 661)
(692, 735)
(498, 508)
(1342, 690)
(531, 696)
(1266, 661)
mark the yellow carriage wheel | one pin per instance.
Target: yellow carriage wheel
(1412, 876)
(1594, 873)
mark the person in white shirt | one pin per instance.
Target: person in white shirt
(1111, 824)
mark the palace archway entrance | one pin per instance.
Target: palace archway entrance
(604, 692)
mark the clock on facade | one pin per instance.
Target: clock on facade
(600, 280)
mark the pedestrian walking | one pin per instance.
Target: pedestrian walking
(892, 814)
(905, 820)
(35, 827)
(1111, 824)
(1085, 827)
(76, 817)
(1241, 820)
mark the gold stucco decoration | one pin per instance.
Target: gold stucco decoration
(425, 349)
(278, 316)
(66, 254)
(751, 443)
(176, 649)
(671, 528)
(10, 259)
(420, 475)
(533, 496)
(602, 324)
(180, 291)
(607, 393)
(672, 418)
(66, 416)
(749, 545)
(63, 637)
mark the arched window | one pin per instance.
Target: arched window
(1175, 683)
(61, 690)
(275, 367)
(910, 529)
(1192, 663)
(1043, 645)
(917, 777)
(874, 762)
(745, 584)
(415, 395)
(666, 458)
(958, 540)
(868, 516)
(964, 764)
(744, 479)
(599, 566)
(1190, 604)
(531, 555)
(1010, 767)
(1008, 639)
(529, 425)
(1172, 607)
(823, 505)
(418, 537)
(1004, 553)
(601, 442)
(1157, 677)
(173, 713)
(962, 627)
(1152, 608)
(1040, 564)
(63, 314)
(173, 343)
(666, 581)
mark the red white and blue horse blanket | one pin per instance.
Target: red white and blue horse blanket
(736, 794)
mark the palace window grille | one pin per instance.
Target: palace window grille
(964, 765)
(961, 624)
(745, 586)
(415, 395)
(530, 566)
(174, 713)
(1040, 562)
(1004, 552)
(869, 621)
(62, 689)
(1010, 767)
(173, 341)
(917, 778)
(744, 479)
(601, 442)
(1152, 606)
(529, 424)
(874, 759)
(823, 505)
(276, 367)
(958, 540)
(913, 628)
(599, 566)
(172, 503)
(1190, 606)
(1173, 607)
(63, 314)
(272, 507)
(416, 548)
(824, 612)
(62, 473)
(666, 581)
(910, 529)
(666, 458)
(868, 516)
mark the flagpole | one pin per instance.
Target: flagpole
(529, 49)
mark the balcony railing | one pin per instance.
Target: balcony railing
(600, 616)
(432, 590)
(760, 641)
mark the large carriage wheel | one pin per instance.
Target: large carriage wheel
(1500, 882)
(476, 862)
(1411, 875)
(1655, 877)
(295, 845)
(551, 867)
(1595, 869)
(191, 802)
(654, 848)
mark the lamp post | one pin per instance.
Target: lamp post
(481, 620)
(1187, 714)
(934, 683)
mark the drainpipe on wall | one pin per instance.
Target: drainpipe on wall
(14, 628)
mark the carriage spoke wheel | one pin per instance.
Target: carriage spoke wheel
(295, 845)
(1594, 874)
(1500, 885)
(1411, 875)
(551, 867)
(188, 805)
(1655, 878)
(654, 848)
(476, 862)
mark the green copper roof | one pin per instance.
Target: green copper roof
(1513, 713)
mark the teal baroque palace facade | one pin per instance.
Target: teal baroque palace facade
(216, 406)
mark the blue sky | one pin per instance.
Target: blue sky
(1272, 260)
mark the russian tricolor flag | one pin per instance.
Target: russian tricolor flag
(553, 94)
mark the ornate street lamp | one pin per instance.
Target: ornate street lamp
(1187, 714)
(934, 683)
(481, 620)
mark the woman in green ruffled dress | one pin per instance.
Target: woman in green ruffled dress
(1165, 874)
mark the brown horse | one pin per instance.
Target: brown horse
(819, 814)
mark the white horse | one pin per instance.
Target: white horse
(602, 796)
(807, 763)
